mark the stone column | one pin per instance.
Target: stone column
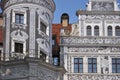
(32, 33)
(98, 65)
(110, 65)
(7, 36)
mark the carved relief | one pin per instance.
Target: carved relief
(42, 43)
(48, 4)
(19, 26)
(93, 49)
(91, 17)
(103, 6)
(75, 30)
(105, 65)
(95, 40)
(19, 35)
(92, 77)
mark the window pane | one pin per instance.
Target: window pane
(76, 66)
(96, 31)
(94, 60)
(88, 30)
(94, 70)
(117, 30)
(76, 70)
(19, 18)
(90, 60)
(19, 47)
(80, 70)
(109, 30)
(80, 60)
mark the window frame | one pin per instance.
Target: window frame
(116, 64)
(110, 31)
(18, 11)
(78, 64)
(92, 65)
(89, 30)
(43, 29)
(19, 18)
(18, 48)
(117, 31)
(96, 31)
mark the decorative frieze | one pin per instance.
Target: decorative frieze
(93, 49)
(91, 40)
(92, 77)
(46, 3)
(100, 17)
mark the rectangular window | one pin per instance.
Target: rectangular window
(116, 65)
(42, 55)
(92, 65)
(43, 27)
(19, 18)
(78, 65)
(56, 61)
(19, 47)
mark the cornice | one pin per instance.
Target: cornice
(45, 3)
(83, 12)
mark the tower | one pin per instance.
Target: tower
(27, 26)
(27, 41)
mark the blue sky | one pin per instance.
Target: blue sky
(70, 7)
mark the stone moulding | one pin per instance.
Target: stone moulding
(46, 3)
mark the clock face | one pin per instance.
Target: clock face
(102, 6)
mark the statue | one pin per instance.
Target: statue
(104, 65)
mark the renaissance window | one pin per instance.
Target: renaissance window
(96, 31)
(88, 30)
(42, 55)
(78, 65)
(109, 30)
(19, 47)
(117, 31)
(92, 65)
(43, 27)
(116, 65)
(19, 18)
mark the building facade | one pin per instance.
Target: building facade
(27, 44)
(92, 50)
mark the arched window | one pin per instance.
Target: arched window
(96, 31)
(89, 31)
(109, 30)
(117, 31)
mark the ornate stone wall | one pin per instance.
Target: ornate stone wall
(30, 69)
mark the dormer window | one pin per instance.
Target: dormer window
(19, 18)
